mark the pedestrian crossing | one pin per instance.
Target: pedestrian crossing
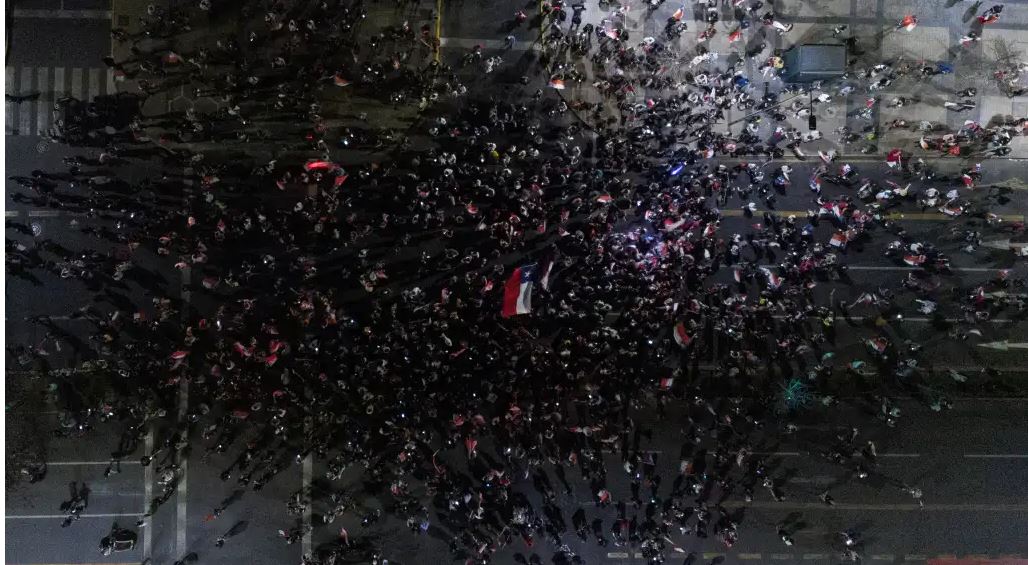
(35, 117)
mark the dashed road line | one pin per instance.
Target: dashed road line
(85, 463)
(883, 557)
(438, 29)
(308, 475)
(810, 556)
(617, 555)
(62, 14)
(915, 557)
(841, 506)
(63, 516)
(148, 490)
(750, 556)
(181, 546)
(822, 480)
(915, 216)
(781, 556)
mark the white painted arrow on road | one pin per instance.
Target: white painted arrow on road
(1003, 345)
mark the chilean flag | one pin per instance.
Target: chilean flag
(894, 158)
(517, 294)
(682, 338)
(773, 281)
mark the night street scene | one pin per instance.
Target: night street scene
(315, 282)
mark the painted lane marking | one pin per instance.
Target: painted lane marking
(84, 463)
(63, 516)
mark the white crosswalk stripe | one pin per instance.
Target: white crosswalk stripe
(59, 88)
(43, 103)
(76, 83)
(94, 83)
(35, 117)
(24, 115)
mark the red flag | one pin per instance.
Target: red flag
(319, 166)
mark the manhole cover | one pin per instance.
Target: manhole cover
(37, 229)
(43, 146)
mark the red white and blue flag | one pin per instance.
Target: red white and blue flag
(682, 338)
(774, 281)
(517, 293)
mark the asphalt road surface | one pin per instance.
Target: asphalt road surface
(970, 461)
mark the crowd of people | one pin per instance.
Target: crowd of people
(464, 309)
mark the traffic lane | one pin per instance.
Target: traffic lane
(945, 477)
(147, 276)
(798, 195)
(86, 4)
(45, 541)
(119, 493)
(96, 446)
(256, 516)
(59, 42)
(863, 275)
(884, 530)
(61, 7)
(947, 235)
(490, 20)
(971, 427)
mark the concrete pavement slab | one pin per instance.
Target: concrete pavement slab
(930, 44)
